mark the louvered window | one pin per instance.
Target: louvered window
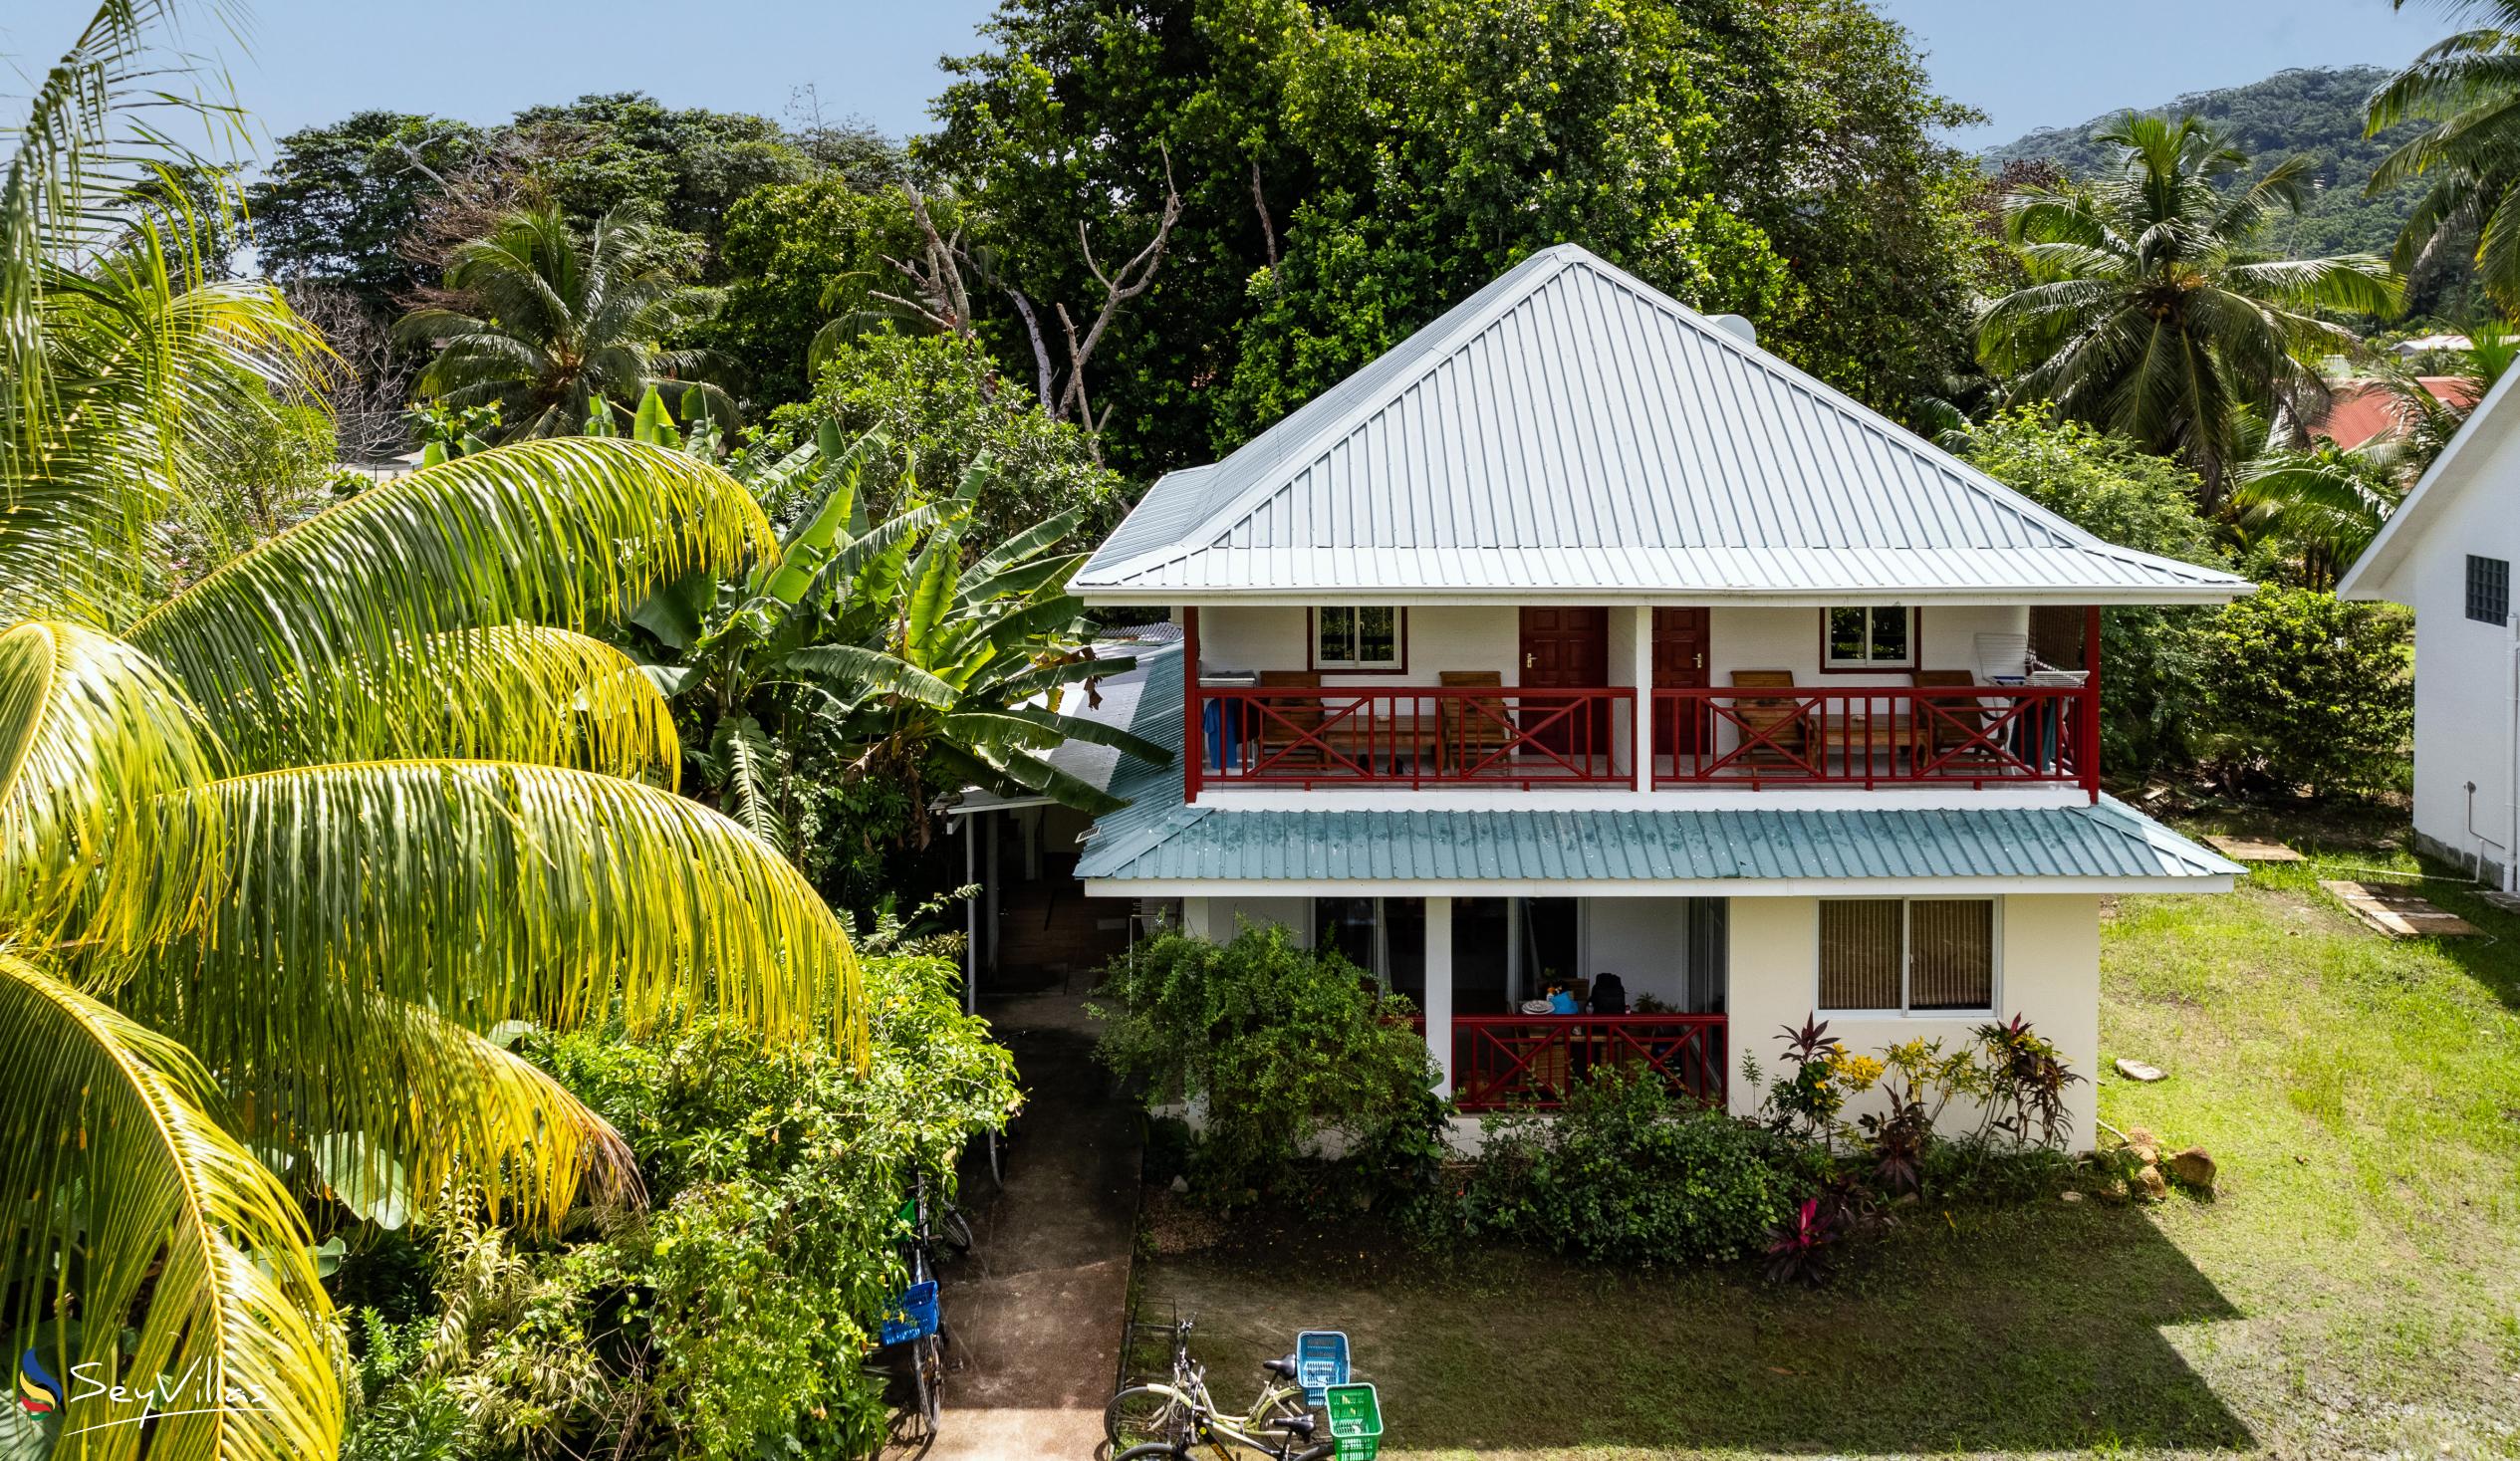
(1918, 955)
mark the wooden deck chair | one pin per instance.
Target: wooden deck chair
(1944, 722)
(1474, 726)
(1780, 720)
(1284, 722)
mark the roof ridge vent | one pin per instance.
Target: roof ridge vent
(1736, 325)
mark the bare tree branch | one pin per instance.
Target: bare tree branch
(1041, 347)
(1127, 283)
(1268, 230)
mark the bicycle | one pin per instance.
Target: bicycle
(1167, 1419)
(998, 1144)
(935, 1231)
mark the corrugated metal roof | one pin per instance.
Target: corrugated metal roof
(1570, 428)
(1121, 696)
(1158, 838)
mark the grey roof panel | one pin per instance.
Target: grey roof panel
(1569, 427)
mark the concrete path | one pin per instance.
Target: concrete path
(1035, 1314)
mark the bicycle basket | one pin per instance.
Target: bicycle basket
(1356, 1422)
(1321, 1360)
(913, 1316)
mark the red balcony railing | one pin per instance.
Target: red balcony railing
(1879, 735)
(1413, 736)
(1532, 1061)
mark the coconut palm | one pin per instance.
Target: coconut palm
(564, 330)
(280, 850)
(2467, 86)
(2147, 315)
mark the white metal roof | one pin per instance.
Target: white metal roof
(1569, 433)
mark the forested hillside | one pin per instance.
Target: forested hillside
(2315, 112)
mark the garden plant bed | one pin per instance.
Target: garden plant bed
(2347, 1291)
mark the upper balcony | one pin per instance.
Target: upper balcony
(1677, 699)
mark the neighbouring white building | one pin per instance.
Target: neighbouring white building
(2448, 553)
(1578, 635)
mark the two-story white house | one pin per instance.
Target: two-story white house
(1578, 635)
(2448, 552)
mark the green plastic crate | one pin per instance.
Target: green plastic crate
(1356, 1422)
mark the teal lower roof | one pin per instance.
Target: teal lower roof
(1157, 839)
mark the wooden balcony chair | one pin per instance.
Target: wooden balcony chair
(1943, 723)
(1284, 722)
(1780, 720)
(1475, 727)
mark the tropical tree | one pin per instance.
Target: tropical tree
(2323, 505)
(566, 331)
(2326, 504)
(2146, 314)
(2467, 85)
(280, 850)
(886, 651)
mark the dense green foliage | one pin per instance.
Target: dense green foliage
(1282, 1053)
(1629, 1174)
(1346, 175)
(796, 256)
(600, 153)
(943, 407)
(883, 660)
(2150, 688)
(2306, 692)
(728, 1317)
(337, 204)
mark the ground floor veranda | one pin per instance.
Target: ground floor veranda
(1708, 981)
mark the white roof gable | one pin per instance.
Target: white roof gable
(1570, 432)
(2452, 476)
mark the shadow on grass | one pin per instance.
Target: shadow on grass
(2033, 1329)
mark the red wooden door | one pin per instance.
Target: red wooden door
(1681, 648)
(1567, 648)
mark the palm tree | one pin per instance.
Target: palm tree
(2147, 315)
(2468, 87)
(278, 850)
(2326, 504)
(2329, 502)
(566, 334)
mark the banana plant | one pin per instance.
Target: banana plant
(886, 649)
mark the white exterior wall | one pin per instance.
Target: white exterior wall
(1489, 636)
(2463, 674)
(1439, 637)
(2047, 968)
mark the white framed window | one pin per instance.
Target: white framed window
(1907, 956)
(1361, 637)
(1880, 636)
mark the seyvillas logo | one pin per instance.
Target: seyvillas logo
(38, 1393)
(191, 1393)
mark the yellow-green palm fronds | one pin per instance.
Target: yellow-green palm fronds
(185, 1259)
(516, 692)
(93, 735)
(450, 1107)
(485, 891)
(561, 533)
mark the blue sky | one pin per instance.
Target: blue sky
(2026, 62)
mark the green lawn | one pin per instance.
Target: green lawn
(2355, 1290)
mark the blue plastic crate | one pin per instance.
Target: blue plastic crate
(1321, 1360)
(913, 1316)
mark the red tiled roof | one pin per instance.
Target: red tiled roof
(2361, 411)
